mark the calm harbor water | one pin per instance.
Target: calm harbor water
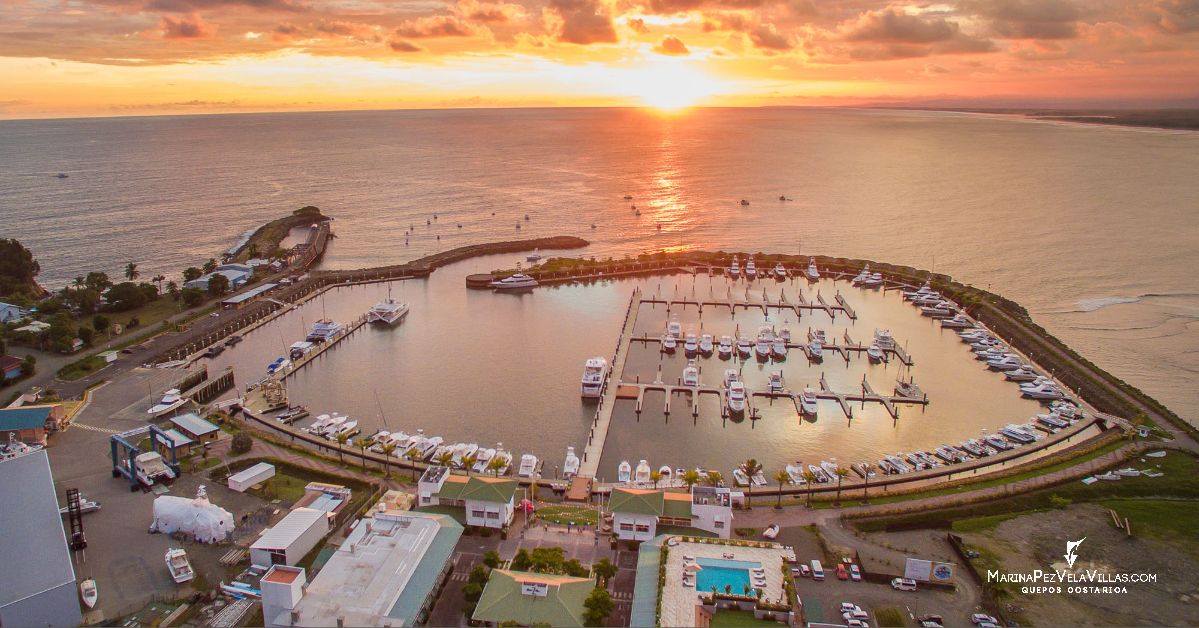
(484, 367)
(1093, 228)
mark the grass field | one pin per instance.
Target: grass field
(731, 619)
(562, 515)
(1160, 518)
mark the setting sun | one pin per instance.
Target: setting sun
(671, 84)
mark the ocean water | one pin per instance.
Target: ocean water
(1093, 228)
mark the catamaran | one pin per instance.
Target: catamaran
(324, 330)
(387, 312)
(594, 371)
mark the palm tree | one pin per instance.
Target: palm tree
(810, 479)
(468, 462)
(158, 279)
(714, 478)
(866, 486)
(841, 472)
(445, 458)
(363, 442)
(79, 281)
(751, 468)
(495, 464)
(656, 476)
(342, 438)
(782, 477)
(690, 478)
(413, 456)
(388, 448)
(131, 272)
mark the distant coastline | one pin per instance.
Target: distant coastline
(1175, 119)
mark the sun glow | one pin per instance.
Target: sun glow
(671, 85)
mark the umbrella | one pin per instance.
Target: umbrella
(692, 567)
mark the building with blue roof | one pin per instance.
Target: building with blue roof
(29, 425)
(195, 428)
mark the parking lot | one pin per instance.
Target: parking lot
(822, 600)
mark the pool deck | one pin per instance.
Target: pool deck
(678, 602)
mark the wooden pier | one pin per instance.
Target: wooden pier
(589, 464)
(765, 303)
(303, 361)
(845, 350)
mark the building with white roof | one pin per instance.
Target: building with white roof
(288, 541)
(37, 582)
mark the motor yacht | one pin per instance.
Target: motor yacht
(624, 472)
(1065, 409)
(330, 425)
(1041, 391)
(535, 256)
(300, 349)
(972, 335)
(734, 268)
(730, 376)
(959, 321)
(1007, 362)
(863, 469)
(808, 402)
(779, 348)
(279, 364)
(997, 442)
(570, 466)
(739, 477)
(705, 344)
(874, 280)
(736, 397)
(171, 400)
(779, 271)
(642, 474)
(725, 348)
(669, 343)
(830, 469)
(691, 344)
(674, 329)
(516, 281)
(974, 448)
(744, 346)
(819, 475)
(349, 429)
(594, 372)
(776, 383)
(1017, 434)
(923, 291)
(324, 330)
(996, 352)
(691, 374)
(944, 453)
(875, 353)
(178, 565)
(795, 472)
(665, 475)
(813, 273)
(751, 271)
(765, 339)
(505, 457)
(862, 277)
(898, 464)
(938, 310)
(482, 459)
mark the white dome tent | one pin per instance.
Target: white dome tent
(196, 517)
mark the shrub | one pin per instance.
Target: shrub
(242, 443)
(889, 616)
(491, 559)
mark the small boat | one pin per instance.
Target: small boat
(85, 506)
(795, 472)
(813, 273)
(674, 329)
(642, 474)
(763, 346)
(292, 414)
(730, 376)
(691, 344)
(945, 453)
(705, 344)
(778, 348)
(533, 257)
(1052, 421)
(624, 472)
(349, 428)
(776, 383)
(830, 469)
(665, 474)
(734, 269)
(279, 364)
(171, 400)
(299, 349)
(997, 442)
(725, 348)
(570, 466)
(897, 465)
(751, 271)
(61, 175)
(744, 203)
(483, 457)
(744, 346)
(233, 340)
(974, 448)
(736, 397)
(628, 197)
(819, 473)
(515, 281)
(779, 271)
(862, 469)
(808, 401)
(330, 425)
(594, 372)
(691, 374)
(89, 592)
(505, 457)
(875, 353)
(740, 478)
(669, 343)
(324, 330)
(771, 532)
(178, 565)
(1065, 409)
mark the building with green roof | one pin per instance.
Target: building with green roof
(528, 599)
(487, 501)
(637, 513)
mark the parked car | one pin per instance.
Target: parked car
(805, 571)
(982, 618)
(903, 584)
(855, 573)
(930, 624)
(842, 572)
(937, 619)
(857, 623)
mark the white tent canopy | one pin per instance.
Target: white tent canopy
(196, 517)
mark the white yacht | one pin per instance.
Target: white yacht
(725, 349)
(808, 401)
(734, 268)
(349, 428)
(751, 270)
(862, 277)
(624, 472)
(665, 475)
(705, 344)
(1043, 390)
(778, 347)
(779, 271)
(736, 397)
(482, 459)
(641, 475)
(674, 329)
(594, 372)
(923, 291)
(875, 353)
(517, 281)
(1022, 373)
(171, 400)
(944, 309)
(795, 472)
(959, 321)
(730, 376)
(178, 565)
(813, 273)
(1007, 362)
(324, 330)
(776, 383)
(691, 344)
(387, 312)
(816, 344)
(669, 343)
(503, 456)
(744, 346)
(765, 339)
(571, 465)
(691, 374)
(533, 257)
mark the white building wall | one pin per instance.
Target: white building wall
(715, 519)
(632, 527)
(489, 514)
(298, 548)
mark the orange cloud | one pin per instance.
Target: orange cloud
(671, 45)
(186, 27)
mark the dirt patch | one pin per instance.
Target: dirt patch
(1038, 541)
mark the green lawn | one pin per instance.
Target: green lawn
(1159, 518)
(738, 618)
(563, 514)
(81, 368)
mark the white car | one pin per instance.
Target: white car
(847, 607)
(982, 618)
(855, 574)
(903, 584)
(857, 623)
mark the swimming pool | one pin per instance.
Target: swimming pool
(724, 575)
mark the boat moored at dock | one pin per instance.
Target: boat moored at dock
(594, 372)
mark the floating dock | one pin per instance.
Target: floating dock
(765, 303)
(303, 361)
(589, 464)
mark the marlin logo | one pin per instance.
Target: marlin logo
(1070, 556)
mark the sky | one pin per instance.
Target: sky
(62, 58)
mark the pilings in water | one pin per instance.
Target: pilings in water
(212, 388)
(598, 435)
(321, 348)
